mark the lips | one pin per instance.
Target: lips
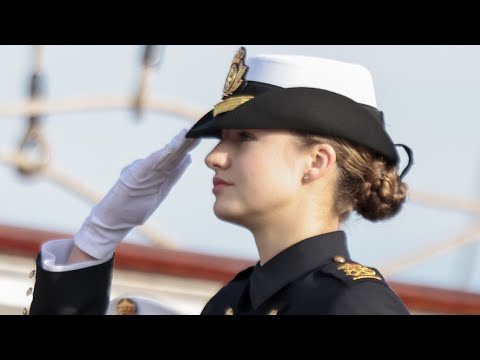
(219, 181)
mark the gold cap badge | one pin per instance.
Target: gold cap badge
(126, 307)
(237, 73)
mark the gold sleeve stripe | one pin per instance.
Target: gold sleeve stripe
(230, 104)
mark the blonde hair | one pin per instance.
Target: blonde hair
(366, 183)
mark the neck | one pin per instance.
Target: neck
(273, 238)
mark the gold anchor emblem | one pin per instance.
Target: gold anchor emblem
(236, 74)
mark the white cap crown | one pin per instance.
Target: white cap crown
(351, 80)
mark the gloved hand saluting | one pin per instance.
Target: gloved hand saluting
(142, 186)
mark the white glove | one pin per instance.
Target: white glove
(142, 186)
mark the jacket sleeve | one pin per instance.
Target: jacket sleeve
(369, 298)
(78, 292)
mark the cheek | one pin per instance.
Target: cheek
(272, 174)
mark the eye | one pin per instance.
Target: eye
(245, 136)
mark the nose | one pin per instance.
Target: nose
(218, 158)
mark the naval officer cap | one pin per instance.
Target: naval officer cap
(139, 305)
(300, 93)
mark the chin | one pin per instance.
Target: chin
(226, 213)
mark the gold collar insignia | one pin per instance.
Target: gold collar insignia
(237, 73)
(357, 271)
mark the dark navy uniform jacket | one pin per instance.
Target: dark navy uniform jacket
(314, 276)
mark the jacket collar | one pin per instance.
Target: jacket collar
(294, 262)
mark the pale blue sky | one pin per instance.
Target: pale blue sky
(429, 94)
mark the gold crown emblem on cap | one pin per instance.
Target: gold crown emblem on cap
(236, 74)
(126, 306)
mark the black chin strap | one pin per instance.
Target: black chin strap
(410, 160)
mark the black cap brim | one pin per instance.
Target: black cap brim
(309, 110)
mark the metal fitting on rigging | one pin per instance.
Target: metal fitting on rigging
(33, 142)
(152, 57)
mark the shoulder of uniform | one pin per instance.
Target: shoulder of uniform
(244, 274)
(351, 272)
(221, 302)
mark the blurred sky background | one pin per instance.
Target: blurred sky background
(429, 95)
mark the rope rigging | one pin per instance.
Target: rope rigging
(33, 141)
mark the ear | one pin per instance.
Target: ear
(323, 161)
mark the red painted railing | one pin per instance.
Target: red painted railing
(27, 242)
